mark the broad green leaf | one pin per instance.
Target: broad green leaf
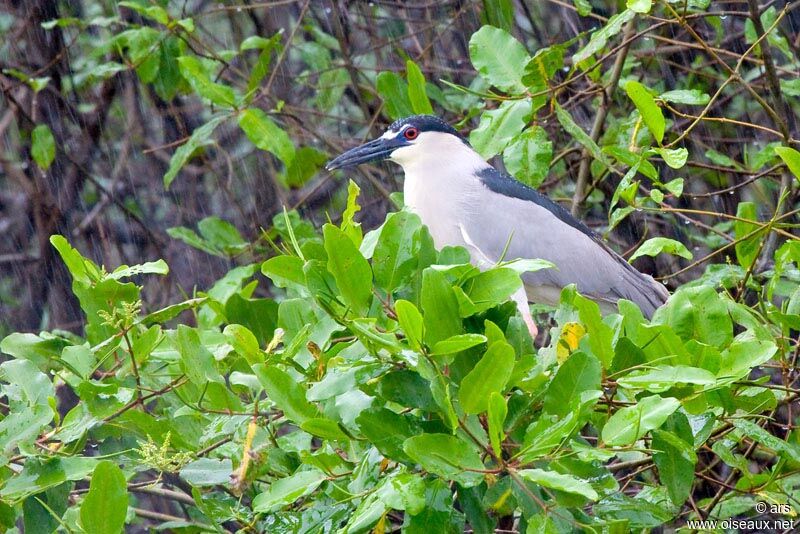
(490, 288)
(581, 372)
(151, 267)
(648, 109)
(200, 137)
(577, 133)
(387, 431)
(528, 156)
(499, 126)
(330, 88)
(674, 157)
(743, 355)
(640, 6)
(416, 89)
(288, 395)
(207, 472)
(599, 37)
(632, 422)
(791, 158)
(324, 428)
(284, 271)
(689, 97)
(83, 271)
(35, 385)
(788, 450)
(394, 92)
(266, 135)
(499, 58)
(496, 414)
(664, 377)
(446, 456)
(351, 271)
(560, 482)
(244, 342)
(457, 343)
(489, 375)
(105, 507)
(656, 245)
(349, 225)
(439, 307)
(411, 322)
(193, 71)
(196, 360)
(747, 249)
(676, 461)
(396, 254)
(43, 146)
(287, 490)
(698, 313)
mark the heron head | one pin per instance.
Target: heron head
(406, 140)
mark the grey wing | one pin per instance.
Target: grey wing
(537, 229)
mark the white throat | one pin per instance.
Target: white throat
(440, 182)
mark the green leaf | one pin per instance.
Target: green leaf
(787, 450)
(674, 157)
(490, 288)
(664, 377)
(287, 490)
(496, 414)
(640, 6)
(244, 342)
(457, 343)
(349, 225)
(196, 360)
(411, 322)
(689, 97)
(599, 37)
(577, 133)
(440, 308)
(747, 249)
(416, 89)
(499, 58)
(207, 472)
(150, 267)
(394, 92)
(43, 146)
(499, 126)
(791, 158)
(266, 135)
(676, 461)
(632, 422)
(193, 71)
(284, 271)
(286, 393)
(698, 313)
(447, 456)
(581, 372)
(528, 157)
(648, 109)
(351, 271)
(105, 507)
(200, 137)
(489, 375)
(656, 245)
(560, 482)
(396, 254)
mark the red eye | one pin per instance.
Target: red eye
(411, 134)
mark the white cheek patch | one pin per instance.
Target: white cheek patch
(390, 134)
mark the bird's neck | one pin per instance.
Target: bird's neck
(442, 188)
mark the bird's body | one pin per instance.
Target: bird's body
(466, 202)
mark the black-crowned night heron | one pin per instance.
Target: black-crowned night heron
(465, 201)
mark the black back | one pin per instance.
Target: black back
(504, 184)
